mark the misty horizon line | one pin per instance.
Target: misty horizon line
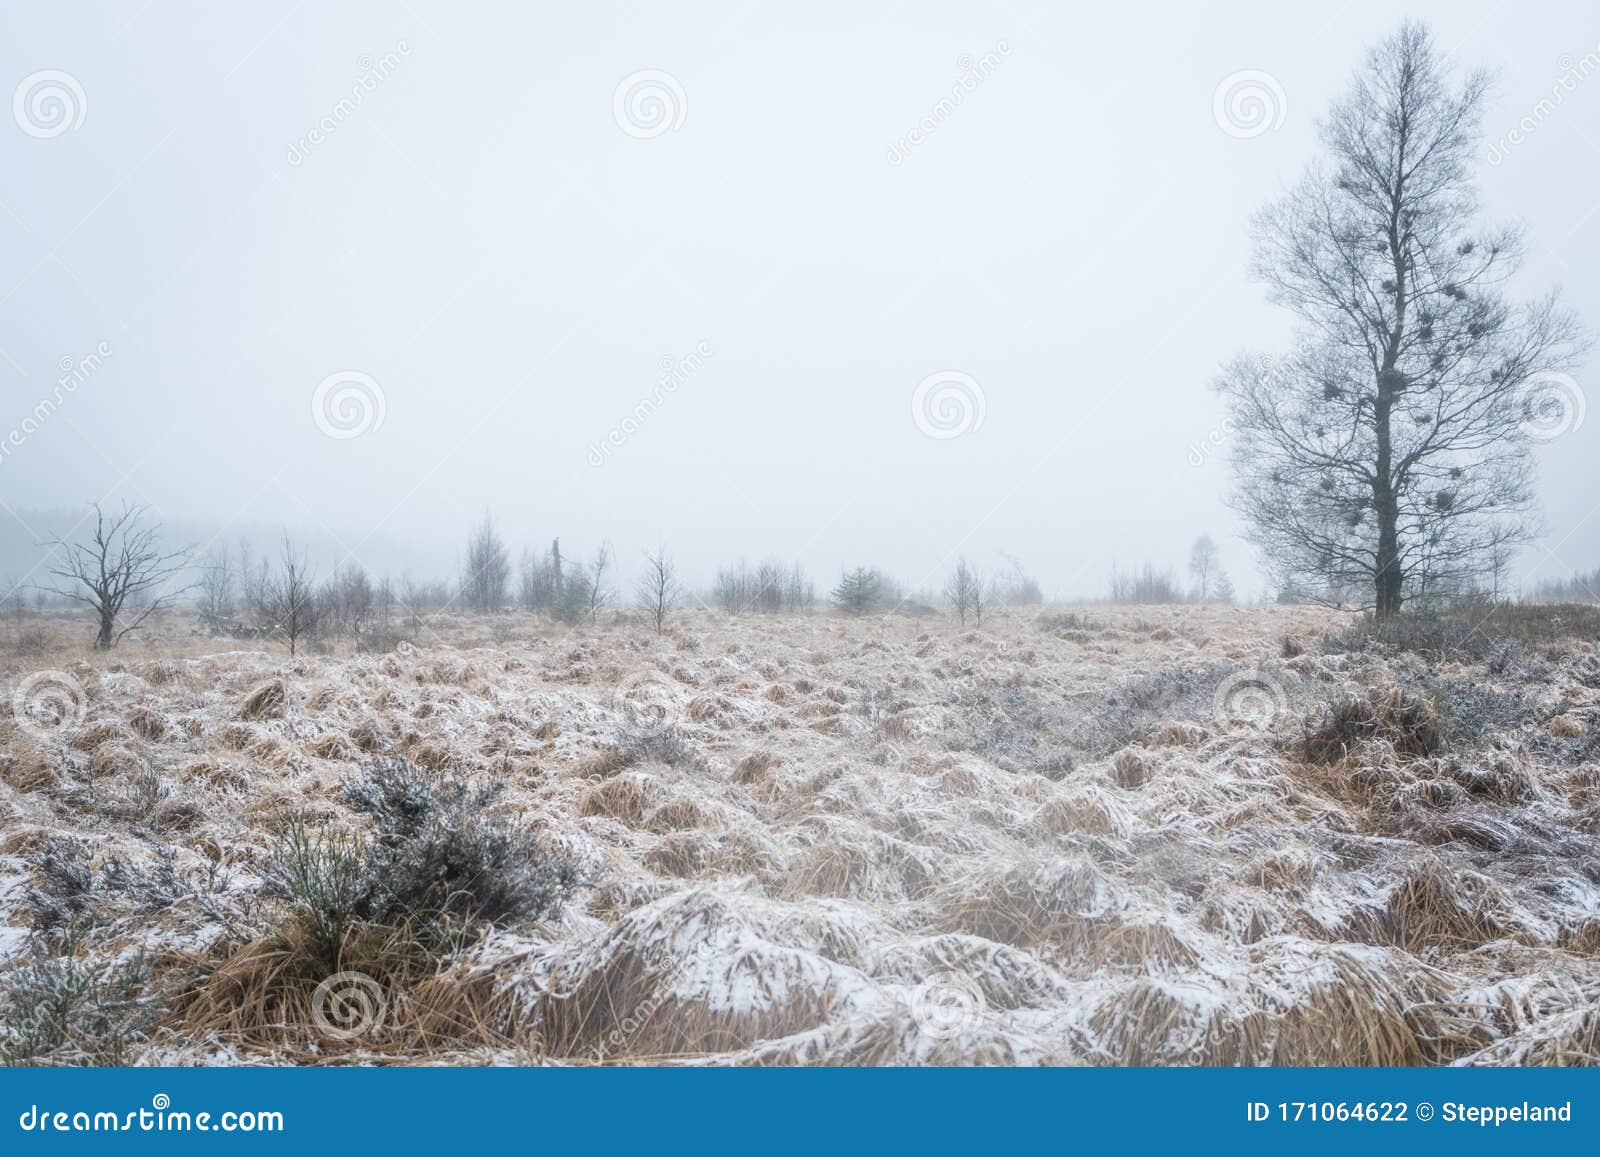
(327, 554)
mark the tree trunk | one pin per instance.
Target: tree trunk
(104, 641)
(1386, 508)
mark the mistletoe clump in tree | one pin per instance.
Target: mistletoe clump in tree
(1387, 455)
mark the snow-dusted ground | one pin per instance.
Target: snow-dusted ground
(1045, 840)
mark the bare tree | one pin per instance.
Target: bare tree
(487, 572)
(539, 585)
(597, 594)
(658, 588)
(384, 601)
(288, 598)
(1384, 454)
(122, 568)
(964, 591)
(216, 586)
(347, 600)
(1145, 585)
(1015, 586)
(1204, 564)
(252, 575)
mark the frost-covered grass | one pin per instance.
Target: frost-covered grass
(1177, 836)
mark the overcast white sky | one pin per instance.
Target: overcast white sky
(484, 237)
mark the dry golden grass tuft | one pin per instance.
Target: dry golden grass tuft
(267, 701)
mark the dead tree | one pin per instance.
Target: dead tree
(1387, 451)
(121, 573)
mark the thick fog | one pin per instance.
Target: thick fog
(841, 283)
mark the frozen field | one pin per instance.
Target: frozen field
(1100, 835)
